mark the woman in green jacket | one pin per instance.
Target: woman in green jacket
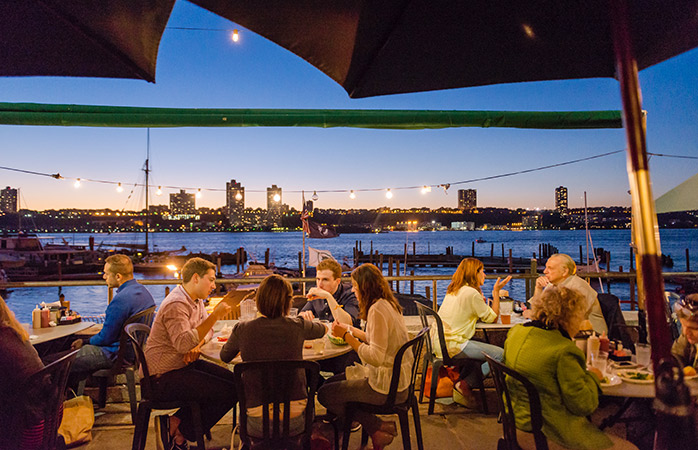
(543, 351)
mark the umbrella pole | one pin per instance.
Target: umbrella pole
(673, 405)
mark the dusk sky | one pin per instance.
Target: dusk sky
(205, 69)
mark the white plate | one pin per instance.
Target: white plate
(625, 365)
(625, 375)
(613, 380)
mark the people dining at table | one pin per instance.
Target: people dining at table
(543, 352)
(21, 426)
(462, 307)
(172, 352)
(684, 348)
(385, 334)
(273, 336)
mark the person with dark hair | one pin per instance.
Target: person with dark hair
(18, 361)
(273, 337)
(543, 351)
(460, 311)
(172, 352)
(100, 351)
(385, 334)
(684, 348)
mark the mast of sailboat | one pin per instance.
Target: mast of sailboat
(590, 242)
(147, 207)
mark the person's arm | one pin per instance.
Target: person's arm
(375, 352)
(232, 347)
(114, 318)
(579, 388)
(222, 308)
(317, 294)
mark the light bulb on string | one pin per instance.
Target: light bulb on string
(119, 188)
(352, 195)
(235, 36)
(389, 194)
(314, 197)
(426, 189)
(159, 191)
(198, 193)
(238, 196)
(77, 183)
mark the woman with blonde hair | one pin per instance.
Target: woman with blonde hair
(18, 361)
(543, 351)
(385, 334)
(460, 311)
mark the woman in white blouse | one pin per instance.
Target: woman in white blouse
(385, 334)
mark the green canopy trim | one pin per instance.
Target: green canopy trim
(136, 117)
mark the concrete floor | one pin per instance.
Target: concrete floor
(451, 427)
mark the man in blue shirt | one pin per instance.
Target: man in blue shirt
(131, 298)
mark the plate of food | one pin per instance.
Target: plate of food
(636, 376)
(336, 340)
(610, 380)
(623, 365)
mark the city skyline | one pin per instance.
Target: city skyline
(205, 69)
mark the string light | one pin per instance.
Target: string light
(119, 188)
(426, 189)
(388, 194)
(352, 195)
(238, 196)
(198, 193)
(159, 191)
(235, 36)
(314, 197)
(277, 198)
(77, 183)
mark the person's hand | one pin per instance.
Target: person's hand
(307, 315)
(316, 293)
(499, 284)
(192, 355)
(223, 307)
(597, 373)
(527, 314)
(338, 328)
(76, 344)
(542, 282)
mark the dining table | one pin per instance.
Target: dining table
(41, 335)
(212, 349)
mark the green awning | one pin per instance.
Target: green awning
(137, 117)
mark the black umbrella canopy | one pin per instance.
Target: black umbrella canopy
(398, 46)
(107, 38)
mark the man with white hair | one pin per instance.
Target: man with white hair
(560, 271)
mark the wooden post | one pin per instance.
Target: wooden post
(381, 262)
(414, 248)
(397, 272)
(540, 250)
(491, 250)
(411, 283)
(237, 261)
(688, 262)
(434, 304)
(218, 265)
(581, 256)
(473, 249)
(632, 258)
(531, 282)
(390, 269)
(300, 261)
(371, 246)
(633, 303)
(427, 291)
(359, 245)
(266, 258)
(502, 252)
(511, 263)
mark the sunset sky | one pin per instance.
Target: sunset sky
(205, 69)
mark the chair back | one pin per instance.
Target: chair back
(499, 373)
(238, 295)
(424, 313)
(138, 335)
(273, 382)
(43, 394)
(125, 356)
(415, 344)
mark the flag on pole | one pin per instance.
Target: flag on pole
(315, 256)
(317, 231)
(304, 218)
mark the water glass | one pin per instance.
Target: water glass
(643, 354)
(293, 312)
(600, 362)
(319, 346)
(505, 310)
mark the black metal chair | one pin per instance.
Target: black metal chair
(391, 406)
(124, 364)
(464, 364)
(274, 382)
(508, 441)
(44, 393)
(138, 334)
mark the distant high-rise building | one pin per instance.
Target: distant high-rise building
(182, 203)
(8, 200)
(309, 206)
(561, 199)
(234, 202)
(274, 206)
(467, 199)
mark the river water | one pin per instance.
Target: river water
(284, 248)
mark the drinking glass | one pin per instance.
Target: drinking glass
(505, 310)
(643, 354)
(601, 362)
(319, 346)
(293, 312)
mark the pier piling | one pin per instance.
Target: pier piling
(688, 262)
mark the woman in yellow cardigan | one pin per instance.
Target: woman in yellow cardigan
(543, 351)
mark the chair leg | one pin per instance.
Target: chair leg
(81, 387)
(131, 385)
(346, 433)
(198, 428)
(435, 367)
(483, 394)
(417, 425)
(405, 429)
(425, 367)
(140, 432)
(103, 382)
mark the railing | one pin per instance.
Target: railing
(395, 281)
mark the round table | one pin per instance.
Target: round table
(212, 349)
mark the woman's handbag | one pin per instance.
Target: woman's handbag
(444, 387)
(78, 419)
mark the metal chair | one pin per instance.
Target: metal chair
(44, 393)
(391, 406)
(138, 334)
(124, 363)
(508, 441)
(274, 381)
(463, 363)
